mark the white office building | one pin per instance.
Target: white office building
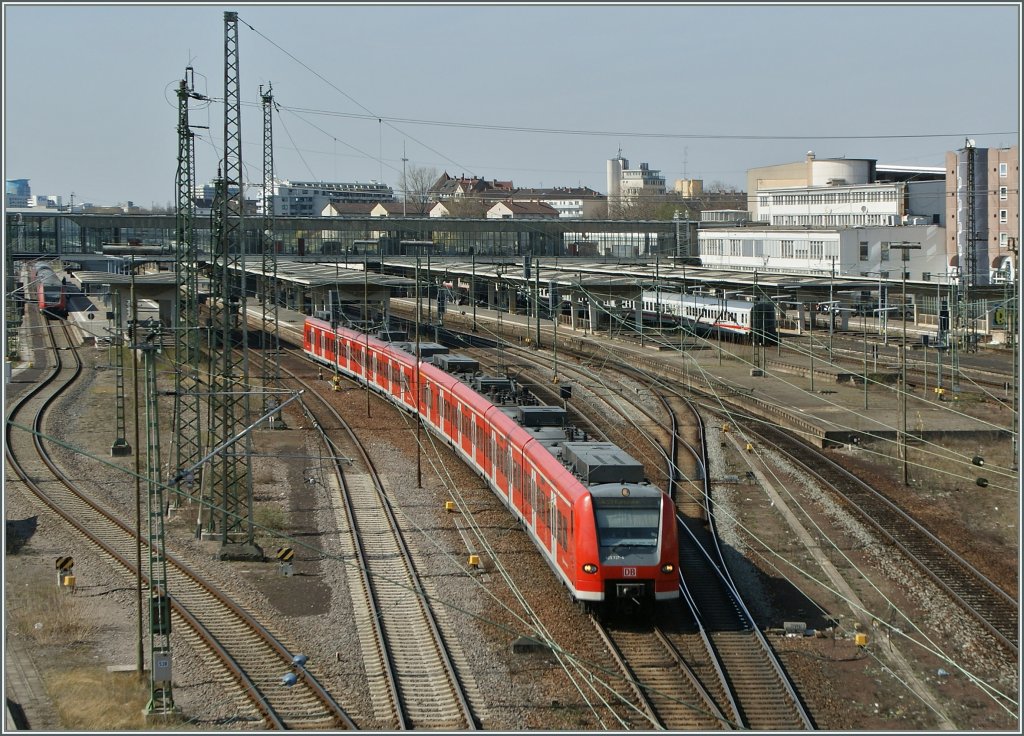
(627, 186)
(842, 252)
(309, 198)
(837, 216)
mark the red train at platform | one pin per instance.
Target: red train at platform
(51, 291)
(609, 535)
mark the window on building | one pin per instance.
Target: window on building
(863, 250)
(1002, 170)
(817, 249)
(1002, 192)
(926, 276)
(885, 252)
(787, 248)
(1004, 239)
(1002, 216)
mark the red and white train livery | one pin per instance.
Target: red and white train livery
(610, 542)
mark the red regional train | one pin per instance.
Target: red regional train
(50, 291)
(608, 534)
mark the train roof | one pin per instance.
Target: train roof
(602, 462)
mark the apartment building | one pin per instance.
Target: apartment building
(983, 212)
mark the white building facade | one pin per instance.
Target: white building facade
(309, 198)
(842, 252)
(626, 185)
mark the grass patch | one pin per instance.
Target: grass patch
(269, 517)
(92, 699)
(50, 617)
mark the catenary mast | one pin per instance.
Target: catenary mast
(270, 345)
(231, 482)
(187, 405)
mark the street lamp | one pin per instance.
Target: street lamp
(904, 248)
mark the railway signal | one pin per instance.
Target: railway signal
(65, 567)
(285, 555)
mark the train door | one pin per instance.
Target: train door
(432, 396)
(466, 430)
(552, 523)
(357, 361)
(530, 496)
(456, 419)
(426, 405)
(540, 511)
(477, 447)
(495, 458)
(405, 378)
(515, 488)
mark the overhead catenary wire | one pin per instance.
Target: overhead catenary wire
(992, 691)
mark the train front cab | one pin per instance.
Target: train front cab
(637, 546)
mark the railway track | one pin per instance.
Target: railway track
(664, 683)
(249, 660)
(991, 606)
(753, 690)
(995, 610)
(412, 671)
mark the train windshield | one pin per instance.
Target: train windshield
(627, 521)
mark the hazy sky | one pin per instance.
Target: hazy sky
(540, 94)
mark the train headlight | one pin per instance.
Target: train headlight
(590, 568)
(668, 568)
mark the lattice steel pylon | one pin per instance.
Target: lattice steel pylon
(120, 446)
(15, 305)
(187, 403)
(231, 479)
(270, 341)
(161, 697)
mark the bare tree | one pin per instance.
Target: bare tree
(416, 183)
(649, 207)
(720, 187)
(468, 206)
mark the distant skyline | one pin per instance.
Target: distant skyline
(542, 95)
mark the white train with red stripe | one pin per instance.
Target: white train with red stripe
(608, 535)
(736, 320)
